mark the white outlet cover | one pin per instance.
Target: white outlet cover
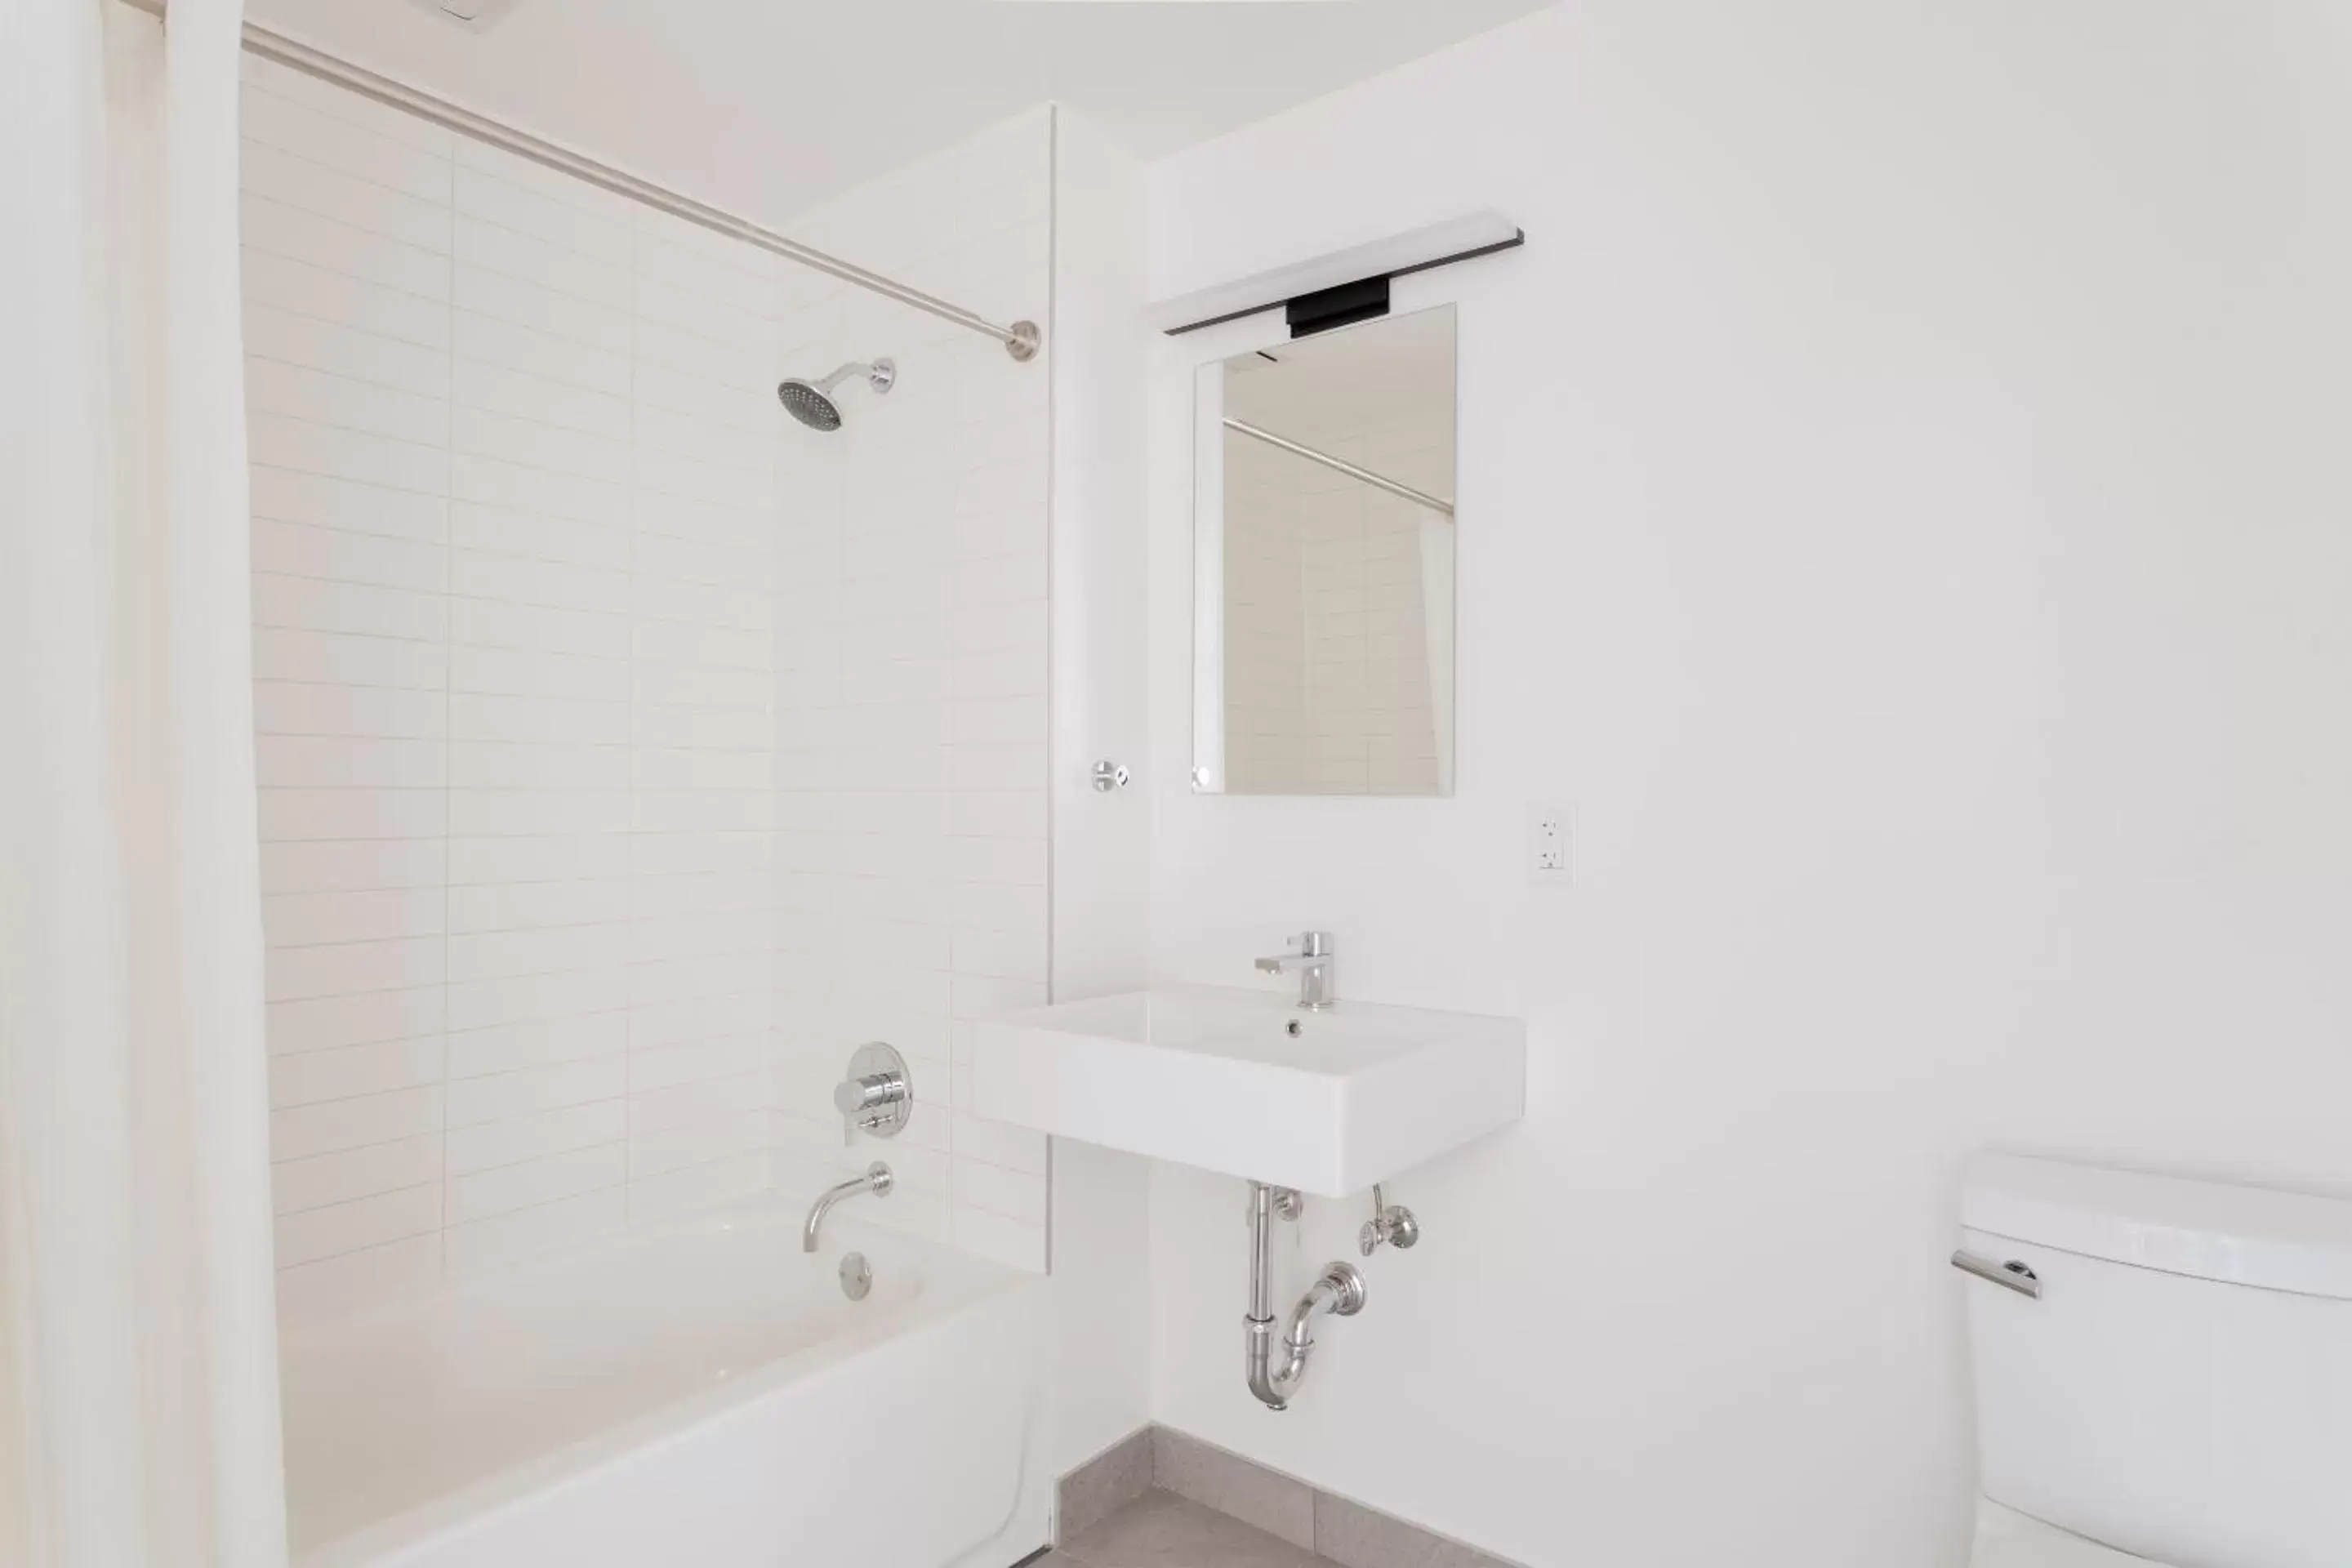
(1547, 852)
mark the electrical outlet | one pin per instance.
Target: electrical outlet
(1547, 852)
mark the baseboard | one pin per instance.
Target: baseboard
(1347, 1533)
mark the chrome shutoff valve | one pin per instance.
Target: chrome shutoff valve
(1392, 1225)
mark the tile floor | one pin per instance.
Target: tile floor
(1161, 1529)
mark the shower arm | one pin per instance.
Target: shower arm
(1019, 340)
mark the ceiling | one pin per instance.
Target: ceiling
(766, 107)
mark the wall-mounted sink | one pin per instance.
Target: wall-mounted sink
(1248, 1083)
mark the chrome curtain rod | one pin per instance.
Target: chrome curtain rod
(1019, 340)
(1341, 465)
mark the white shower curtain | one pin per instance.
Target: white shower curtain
(138, 1380)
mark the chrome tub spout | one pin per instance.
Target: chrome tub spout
(876, 1180)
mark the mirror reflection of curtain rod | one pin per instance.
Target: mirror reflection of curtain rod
(1419, 498)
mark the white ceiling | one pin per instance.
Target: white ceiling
(766, 107)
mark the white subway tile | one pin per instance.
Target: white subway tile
(323, 449)
(312, 1077)
(391, 160)
(300, 550)
(505, 1188)
(325, 1022)
(571, 226)
(298, 236)
(483, 716)
(539, 629)
(295, 919)
(312, 604)
(263, 76)
(316, 187)
(306, 814)
(519, 672)
(478, 1004)
(281, 334)
(503, 579)
(536, 444)
(299, 1132)
(493, 481)
(538, 1043)
(551, 336)
(529, 1091)
(492, 1144)
(519, 395)
(493, 247)
(349, 866)
(323, 1179)
(553, 857)
(294, 973)
(551, 949)
(350, 762)
(321, 294)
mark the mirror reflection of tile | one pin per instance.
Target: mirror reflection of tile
(1338, 591)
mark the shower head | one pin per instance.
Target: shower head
(811, 402)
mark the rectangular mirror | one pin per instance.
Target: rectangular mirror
(1323, 567)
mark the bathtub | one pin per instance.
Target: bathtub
(702, 1394)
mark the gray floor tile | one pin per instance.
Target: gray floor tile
(1164, 1531)
(1104, 1485)
(1250, 1492)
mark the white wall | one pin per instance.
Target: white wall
(1101, 845)
(911, 825)
(514, 558)
(1902, 510)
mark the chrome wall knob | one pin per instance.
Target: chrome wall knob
(870, 1092)
(878, 1095)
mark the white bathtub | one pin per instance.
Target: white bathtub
(699, 1395)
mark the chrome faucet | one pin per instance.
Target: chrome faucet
(876, 1180)
(1310, 956)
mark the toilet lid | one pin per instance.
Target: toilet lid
(2006, 1538)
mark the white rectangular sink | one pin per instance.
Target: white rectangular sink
(1249, 1083)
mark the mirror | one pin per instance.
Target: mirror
(1323, 563)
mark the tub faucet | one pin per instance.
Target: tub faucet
(876, 1180)
(1311, 958)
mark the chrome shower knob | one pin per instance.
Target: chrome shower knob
(878, 1095)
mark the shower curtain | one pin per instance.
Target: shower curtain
(138, 1381)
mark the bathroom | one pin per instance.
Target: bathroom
(616, 616)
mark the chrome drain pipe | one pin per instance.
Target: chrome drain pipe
(1339, 1290)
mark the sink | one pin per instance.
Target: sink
(1249, 1083)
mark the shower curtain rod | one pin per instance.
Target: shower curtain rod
(1019, 340)
(1380, 481)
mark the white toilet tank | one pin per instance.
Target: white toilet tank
(2182, 1388)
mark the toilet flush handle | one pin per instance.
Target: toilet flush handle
(2011, 1275)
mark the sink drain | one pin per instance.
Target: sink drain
(856, 1275)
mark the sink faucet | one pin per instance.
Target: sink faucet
(1310, 956)
(876, 1180)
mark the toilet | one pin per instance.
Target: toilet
(2162, 1368)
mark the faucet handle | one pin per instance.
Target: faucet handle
(878, 1095)
(1313, 944)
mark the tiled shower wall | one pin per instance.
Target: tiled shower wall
(537, 709)
(514, 447)
(911, 801)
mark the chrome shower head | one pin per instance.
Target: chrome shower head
(811, 402)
